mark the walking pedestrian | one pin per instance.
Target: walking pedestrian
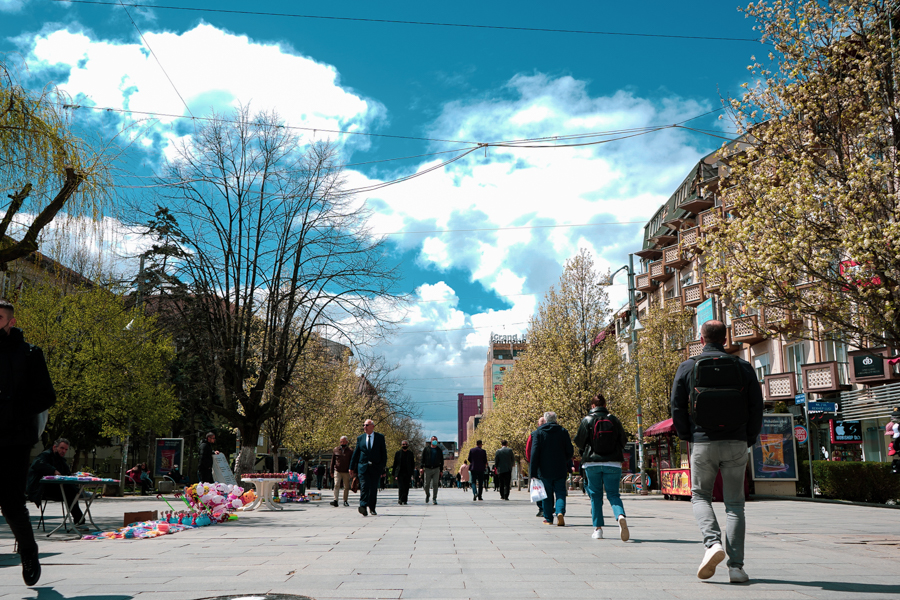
(504, 459)
(27, 391)
(433, 464)
(205, 467)
(368, 460)
(540, 510)
(340, 466)
(601, 440)
(404, 467)
(464, 475)
(551, 454)
(320, 476)
(477, 468)
(717, 405)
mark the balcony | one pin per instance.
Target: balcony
(693, 349)
(730, 346)
(745, 330)
(709, 219)
(780, 320)
(689, 238)
(824, 377)
(780, 387)
(692, 295)
(675, 257)
(649, 253)
(659, 272)
(712, 282)
(673, 303)
(664, 239)
(643, 283)
(696, 203)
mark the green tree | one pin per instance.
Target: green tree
(812, 193)
(109, 364)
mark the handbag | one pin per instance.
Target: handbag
(354, 485)
(538, 492)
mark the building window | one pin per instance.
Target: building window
(761, 366)
(795, 357)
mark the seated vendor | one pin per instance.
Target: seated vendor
(52, 461)
(177, 477)
(140, 476)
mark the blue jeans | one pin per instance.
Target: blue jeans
(598, 478)
(707, 459)
(554, 487)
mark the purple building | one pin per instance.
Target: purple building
(467, 406)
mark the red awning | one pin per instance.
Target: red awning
(660, 428)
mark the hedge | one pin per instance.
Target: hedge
(853, 481)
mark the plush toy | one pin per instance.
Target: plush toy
(892, 429)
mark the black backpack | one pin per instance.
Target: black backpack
(718, 398)
(605, 435)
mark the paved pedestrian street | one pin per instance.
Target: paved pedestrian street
(463, 549)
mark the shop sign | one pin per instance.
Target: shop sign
(821, 407)
(774, 454)
(800, 434)
(854, 273)
(705, 312)
(868, 366)
(675, 482)
(845, 432)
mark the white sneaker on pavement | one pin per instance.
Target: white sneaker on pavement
(598, 534)
(737, 575)
(623, 529)
(714, 555)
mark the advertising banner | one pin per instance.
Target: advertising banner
(774, 454)
(705, 312)
(498, 372)
(169, 454)
(675, 482)
(845, 432)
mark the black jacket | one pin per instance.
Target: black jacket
(586, 432)
(404, 463)
(681, 410)
(551, 452)
(47, 462)
(433, 458)
(504, 459)
(25, 389)
(206, 455)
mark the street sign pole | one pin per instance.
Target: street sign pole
(809, 451)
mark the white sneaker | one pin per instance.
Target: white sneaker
(623, 529)
(737, 575)
(714, 555)
(598, 534)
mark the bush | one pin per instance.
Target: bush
(854, 481)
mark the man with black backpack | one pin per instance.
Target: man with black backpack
(717, 405)
(601, 439)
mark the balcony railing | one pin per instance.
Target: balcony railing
(779, 387)
(696, 203)
(712, 282)
(643, 283)
(779, 319)
(829, 376)
(689, 238)
(675, 257)
(673, 303)
(659, 272)
(730, 345)
(745, 330)
(692, 295)
(693, 349)
(709, 219)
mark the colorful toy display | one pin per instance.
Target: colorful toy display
(217, 498)
(80, 476)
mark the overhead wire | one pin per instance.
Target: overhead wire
(425, 23)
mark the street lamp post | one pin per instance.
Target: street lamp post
(634, 327)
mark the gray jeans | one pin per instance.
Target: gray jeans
(432, 481)
(707, 459)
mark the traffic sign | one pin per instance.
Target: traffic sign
(821, 407)
(800, 398)
(800, 433)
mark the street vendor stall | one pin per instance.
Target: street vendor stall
(674, 468)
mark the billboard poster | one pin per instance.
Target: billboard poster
(675, 482)
(774, 454)
(705, 312)
(169, 454)
(498, 372)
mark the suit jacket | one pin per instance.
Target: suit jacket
(365, 458)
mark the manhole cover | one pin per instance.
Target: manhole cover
(260, 597)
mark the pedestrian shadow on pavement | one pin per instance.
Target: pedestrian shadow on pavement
(47, 593)
(831, 586)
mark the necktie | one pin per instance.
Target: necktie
(370, 441)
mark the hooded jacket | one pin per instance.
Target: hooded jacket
(551, 452)
(586, 432)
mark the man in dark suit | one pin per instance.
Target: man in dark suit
(368, 462)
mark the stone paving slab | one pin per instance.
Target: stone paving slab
(464, 550)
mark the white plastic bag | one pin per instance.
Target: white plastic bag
(538, 492)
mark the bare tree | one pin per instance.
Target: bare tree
(260, 245)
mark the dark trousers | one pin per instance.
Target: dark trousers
(205, 476)
(52, 492)
(14, 465)
(403, 486)
(477, 484)
(503, 480)
(368, 487)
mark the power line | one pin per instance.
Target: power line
(513, 228)
(459, 329)
(426, 23)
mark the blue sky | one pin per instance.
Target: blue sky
(448, 83)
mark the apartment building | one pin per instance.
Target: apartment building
(501, 355)
(863, 382)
